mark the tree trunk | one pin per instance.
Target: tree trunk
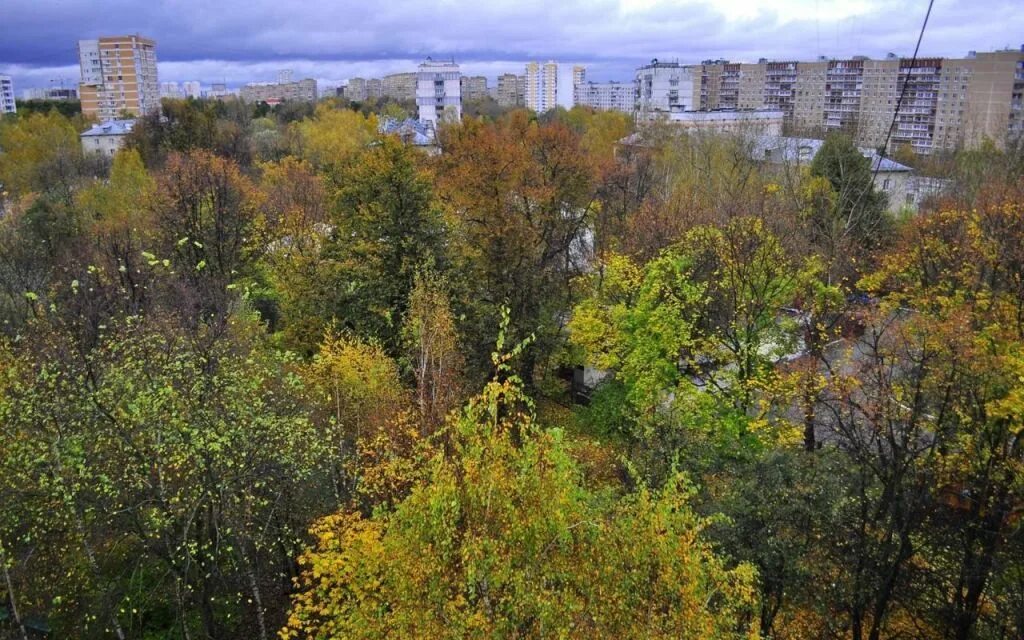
(10, 595)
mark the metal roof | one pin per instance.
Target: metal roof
(110, 128)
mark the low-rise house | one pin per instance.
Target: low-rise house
(411, 131)
(107, 137)
(905, 190)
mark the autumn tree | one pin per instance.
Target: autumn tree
(500, 539)
(520, 197)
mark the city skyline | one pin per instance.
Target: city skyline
(610, 38)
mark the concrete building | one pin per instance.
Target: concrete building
(191, 89)
(904, 190)
(118, 75)
(275, 93)
(411, 131)
(606, 96)
(664, 87)
(53, 93)
(106, 138)
(510, 90)
(7, 95)
(579, 76)
(439, 92)
(473, 88)
(374, 89)
(541, 86)
(169, 90)
(355, 90)
(753, 122)
(399, 86)
(948, 103)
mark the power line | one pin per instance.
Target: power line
(903, 92)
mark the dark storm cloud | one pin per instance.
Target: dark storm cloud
(241, 40)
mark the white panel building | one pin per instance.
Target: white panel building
(6, 95)
(663, 87)
(606, 96)
(439, 92)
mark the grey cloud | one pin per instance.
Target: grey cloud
(332, 40)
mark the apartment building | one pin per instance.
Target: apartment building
(7, 95)
(191, 89)
(399, 86)
(439, 92)
(541, 92)
(947, 103)
(118, 75)
(53, 93)
(374, 89)
(473, 88)
(355, 90)
(665, 87)
(169, 90)
(277, 92)
(606, 96)
(579, 76)
(511, 90)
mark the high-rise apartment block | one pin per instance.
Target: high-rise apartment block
(118, 75)
(511, 90)
(191, 89)
(439, 92)
(169, 90)
(275, 92)
(605, 96)
(399, 86)
(355, 90)
(474, 88)
(665, 87)
(947, 103)
(541, 86)
(374, 89)
(7, 95)
(579, 76)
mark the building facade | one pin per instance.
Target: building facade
(7, 95)
(606, 96)
(665, 87)
(473, 88)
(355, 90)
(118, 76)
(511, 90)
(107, 137)
(541, 90)
(192, 89)
(399, 86)
(947, 103)
(439, 92)
(275, 92)
(579, 76)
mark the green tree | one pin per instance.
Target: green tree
(500, 539)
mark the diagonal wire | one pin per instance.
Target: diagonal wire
(903, 92)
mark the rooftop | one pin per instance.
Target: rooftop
(110, 128)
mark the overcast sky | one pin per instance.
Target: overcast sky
(238, 41)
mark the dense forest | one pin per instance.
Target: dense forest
(268, 373)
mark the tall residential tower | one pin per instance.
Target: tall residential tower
(118, 76)
(6, 95)
(541, 86)
(439, 92)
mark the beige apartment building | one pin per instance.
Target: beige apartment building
(948, 103)
(511, 90)
(118, 76)
(473, 88)
(541, 86)
(277, 92)
(399, 86)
